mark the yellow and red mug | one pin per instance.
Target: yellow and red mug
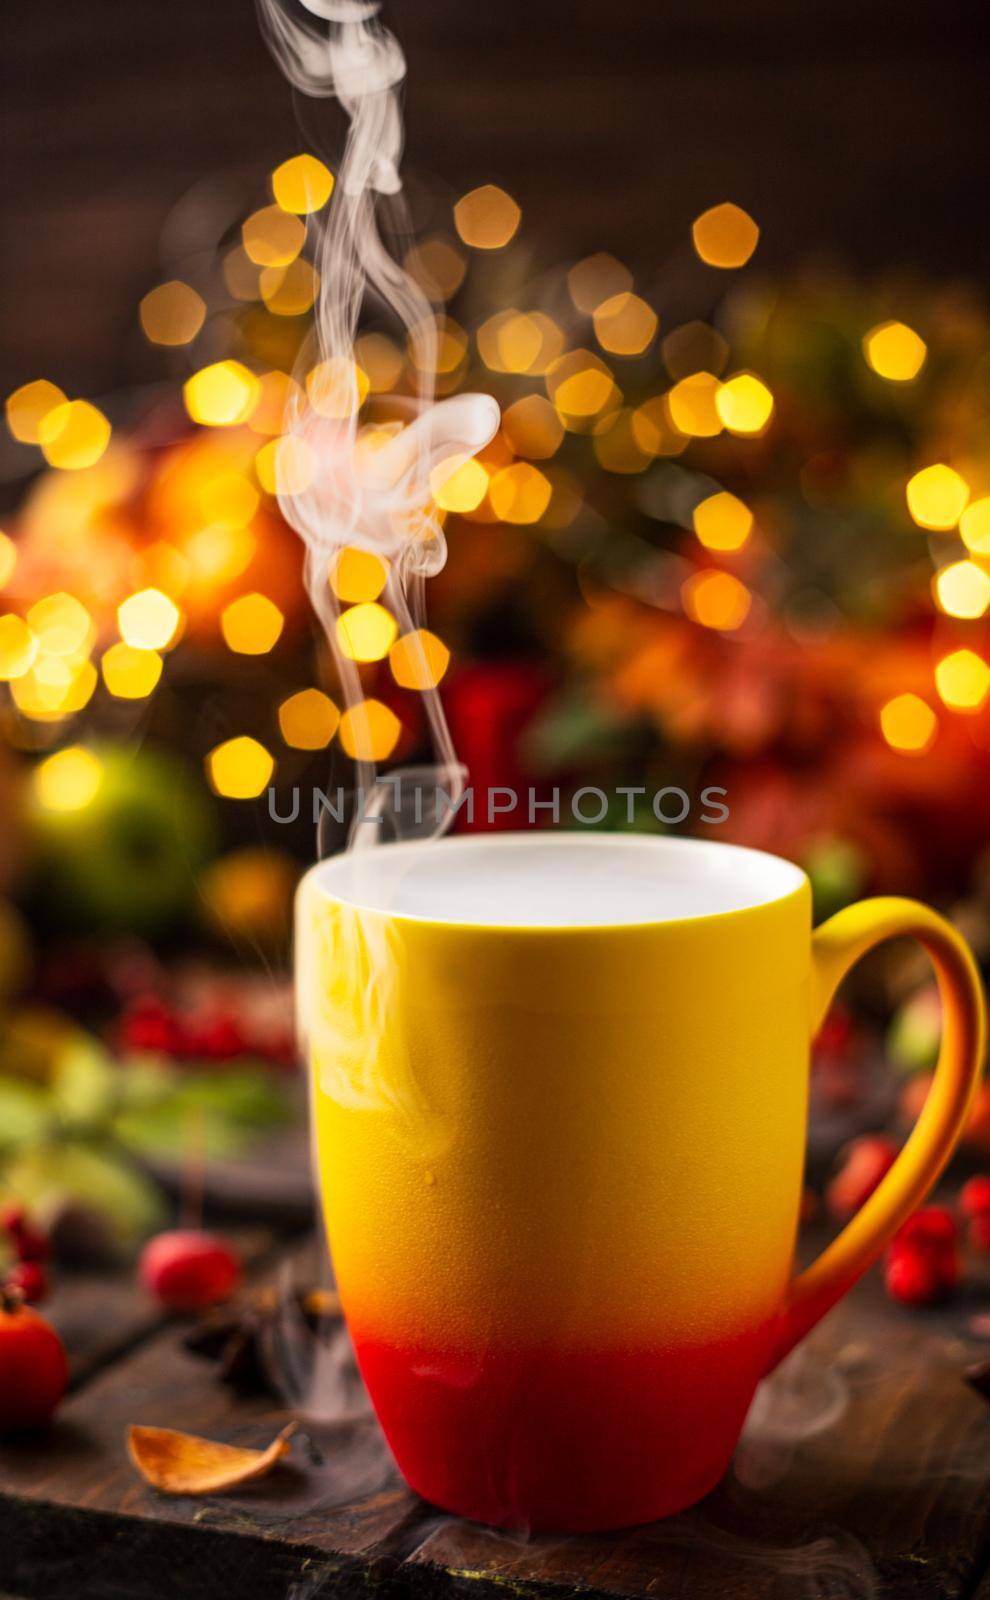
(561, 1164)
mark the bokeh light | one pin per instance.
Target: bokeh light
(54, 687)
(895, 351)
(595, 279)
(369, 731)
(722, 522)
(61, 624)
(229, 500)
(289, 291)
(272, 237)
(437, 266)
(308, 719)
(531, 427)
(625, 325)
(380, 360)
(286, 466)
(974, 525)
(962, 589)
(418, 660)
(358, 575)
(458, 484)
(302, 184)
(74, 435)
(692, 408)
(222, 395)
(172, 314)
(28, 407)
(130, 674)
(936, 496)
(744, 403)
(275, 392)
(148, 620)
(8, 559)
(18, 647)
(963, 680)
(251, 625)
(337, 387)
(716, 600)
(617, 445)
(366, 632)
(725, 236)
(654, 430)
(487, 218)
(908, 724)
(520, 493)
(68, 780)
(240, 769)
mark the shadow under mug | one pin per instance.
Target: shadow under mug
(561, 1166)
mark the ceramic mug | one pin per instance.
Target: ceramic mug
(561, 1162)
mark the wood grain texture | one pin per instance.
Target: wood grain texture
(894, 1493)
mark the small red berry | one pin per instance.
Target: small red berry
(912, 1278)
(30, 1278)
(33, 1370)
(922, 1264)
(186, 1269)
(865, 1162)
(933, 1227)
(974, 1197)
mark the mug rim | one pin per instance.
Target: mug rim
(791, 879)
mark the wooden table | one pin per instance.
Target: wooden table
(889, 1495)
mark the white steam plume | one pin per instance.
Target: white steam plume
(379, 499)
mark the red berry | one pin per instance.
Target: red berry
(218, 1039)
(30, 1278)
(912, 1278)
(865, 1162)
(33, 1369)
(933, 1228)
(187, 1270)
(974, 1197)
(923, 1258)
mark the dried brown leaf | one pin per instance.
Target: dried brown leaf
(182, 1463)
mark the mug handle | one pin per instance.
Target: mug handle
(835, 947)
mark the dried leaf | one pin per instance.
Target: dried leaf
(182, 1463)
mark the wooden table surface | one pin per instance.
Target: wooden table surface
(887, 1494)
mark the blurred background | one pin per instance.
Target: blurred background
(724, 272)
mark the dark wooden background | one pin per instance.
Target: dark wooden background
(857, 129)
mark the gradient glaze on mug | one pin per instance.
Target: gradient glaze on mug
(559, 1260)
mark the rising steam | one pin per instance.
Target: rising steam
(379, 498)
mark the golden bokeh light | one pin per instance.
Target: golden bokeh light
(148, 620)
(54, 688)
(895, 351)
(18, 647)
(597, 278)
(654, 430)
(437, 266)
(308, 720)
(130, 674)
(581, 387)
(275, 392)
(744, 403)
(963, 680)
(240, 769)
(449, 346)
(229, 500)
(74, 435)
(68, 780)
(8, 559)
(222, 395)
(974, 525)
(692, 408)
(511, 341)
(531, 427)
(617, 446)
(369, 731)
(289, 291)
(380, 360)
(962, 589)
(358, 575)
(725, 236)
(625, 325)
(272, 237)
(286, 466)
(936, 496)
(418, 660)
(487, 218)
(251, 625)
(161, 566)
(722, 522)
(458, 484)
(61, 624)
(214, 554)
(908, 724)
(302, 185)
(28, 407)
(366, 632)
(520, 493)
(337, 387)
(173, 313)
(716, 600)
(241, 275)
